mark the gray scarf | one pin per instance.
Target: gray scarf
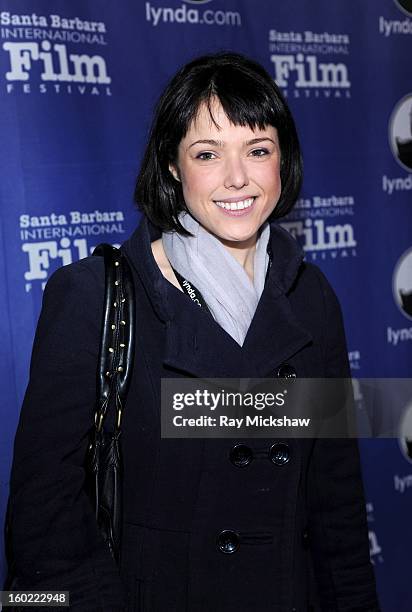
(220, 278)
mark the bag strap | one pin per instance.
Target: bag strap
(117, 339)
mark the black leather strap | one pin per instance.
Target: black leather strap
(104, 461)
(118, 331)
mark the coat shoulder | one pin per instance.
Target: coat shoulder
(84, 272)
(312, 277)
(71, 314)
(315, 301)
(312, 288)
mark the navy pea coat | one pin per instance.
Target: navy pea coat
(297, 531)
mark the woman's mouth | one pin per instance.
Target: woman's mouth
(237, 208)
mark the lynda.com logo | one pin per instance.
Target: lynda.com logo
(402, 283)
(405, 6)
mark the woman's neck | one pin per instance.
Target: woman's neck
(244, 253)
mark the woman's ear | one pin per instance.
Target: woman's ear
(173, 170)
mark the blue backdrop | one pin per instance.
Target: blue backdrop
(78, 79)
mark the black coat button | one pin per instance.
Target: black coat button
(241, 455)
(286, 371)
(228, 541)
(279, 453)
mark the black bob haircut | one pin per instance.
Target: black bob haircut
(248, 95)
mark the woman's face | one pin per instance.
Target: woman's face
(230, 176)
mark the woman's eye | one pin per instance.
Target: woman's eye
(259, 152)
(205, 156)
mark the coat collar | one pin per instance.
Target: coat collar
(195, 343)
(138, 249)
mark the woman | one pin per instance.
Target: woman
(208, 524)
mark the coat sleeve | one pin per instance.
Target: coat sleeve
(53, 539)
(337, 527)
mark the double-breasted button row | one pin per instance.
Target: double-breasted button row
(241, 455)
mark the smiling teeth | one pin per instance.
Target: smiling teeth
(236, 205)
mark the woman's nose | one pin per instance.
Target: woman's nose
(235, 174)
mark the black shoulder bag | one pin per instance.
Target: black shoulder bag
(104, 461)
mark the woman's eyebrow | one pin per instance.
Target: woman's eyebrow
(214, 143)
(257, 140)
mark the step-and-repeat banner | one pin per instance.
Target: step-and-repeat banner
(78, 80)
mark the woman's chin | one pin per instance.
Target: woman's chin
(238, 241)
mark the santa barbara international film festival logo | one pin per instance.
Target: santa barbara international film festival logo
(308, 64)
(46, 54)
(400, 132)
(323, 225)
(55, 239)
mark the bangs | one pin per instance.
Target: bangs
(245, 100)
(243, 103)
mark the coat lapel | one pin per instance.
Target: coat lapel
(275, 334)
(196, 345)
